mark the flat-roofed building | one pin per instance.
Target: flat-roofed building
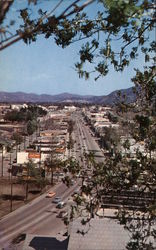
(26, 156)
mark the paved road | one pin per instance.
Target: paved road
(85, 142)
(39, 216)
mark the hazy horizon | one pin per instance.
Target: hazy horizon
(61, 93)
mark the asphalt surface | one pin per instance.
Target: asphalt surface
(39, 216)
(84, 140)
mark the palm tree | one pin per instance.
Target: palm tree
(90, 158)
(51, 164)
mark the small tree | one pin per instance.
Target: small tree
(31, 128)
(34, 175)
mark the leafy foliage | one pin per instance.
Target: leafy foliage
(25, 114)
(131, 23)
(31, 127)
(17, 137)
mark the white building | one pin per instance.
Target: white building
(26, 156)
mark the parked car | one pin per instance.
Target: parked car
(50, 194)
(6, 159)
(62, 214)
(61, 204)
(72, 182)
(61, 175)
(57, 200)
(76, 192)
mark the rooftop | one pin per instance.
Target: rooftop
(98, 234)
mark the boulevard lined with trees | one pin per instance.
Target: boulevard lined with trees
(120, 32)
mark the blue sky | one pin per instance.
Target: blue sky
(43, 67)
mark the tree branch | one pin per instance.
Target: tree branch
(22, 34)
(12, 42)
(80, 8)
(133, 40)
(4, 7)
(71, 5)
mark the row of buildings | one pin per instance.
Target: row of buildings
(48, 141)
(103, 120)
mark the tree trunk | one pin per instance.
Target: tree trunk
(16, 150)
(52, 177)
(4, 7)
(24, 142)
(29, 140)
(26, 194)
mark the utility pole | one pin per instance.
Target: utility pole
(2, 161)
(27, 180)
(11, 191)
(10, 167)
(11, 186)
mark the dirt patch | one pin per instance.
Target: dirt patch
(18, 195)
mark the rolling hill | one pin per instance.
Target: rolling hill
(21, 97)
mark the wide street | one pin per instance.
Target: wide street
(85, 142)
(39, 216)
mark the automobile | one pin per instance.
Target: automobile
(19, 238)
(56, 200)
(76, 193)
(61, 175)
(6, 159)
(61, 204)
(62, 214)
(78, 175)
(72, 182)
(50, 194)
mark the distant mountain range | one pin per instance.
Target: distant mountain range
(21, 97)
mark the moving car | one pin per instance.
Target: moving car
(57, 200)
(62, 214)
(72, 182)
(76, 192)
(61, 204)
(50, 194)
